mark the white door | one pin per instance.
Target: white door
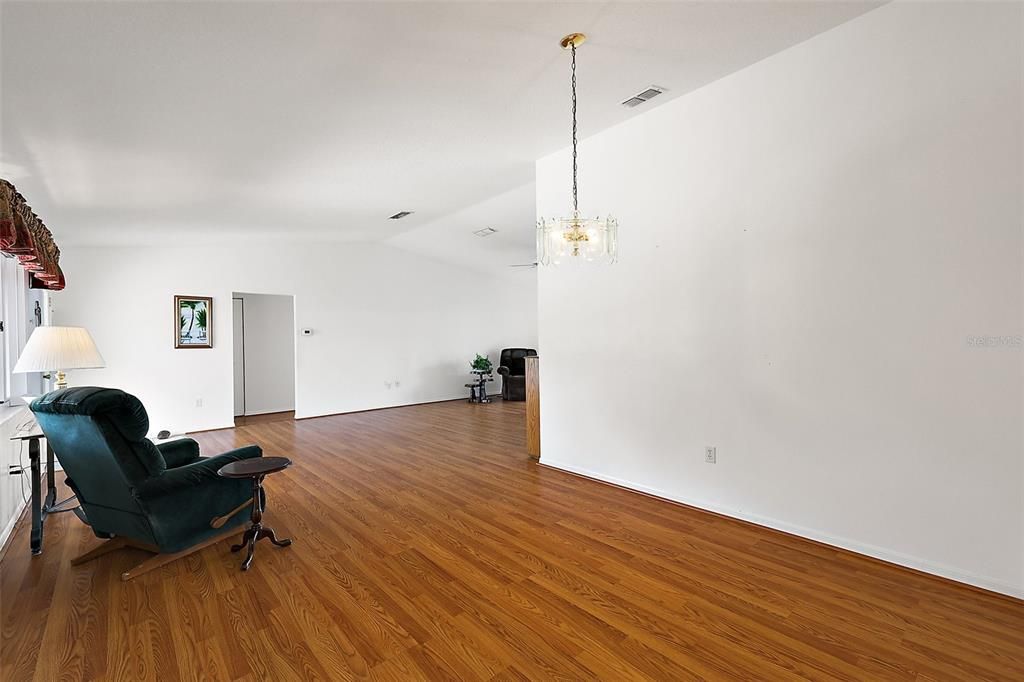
(238, 322)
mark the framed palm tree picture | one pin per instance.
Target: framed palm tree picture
(193, 319)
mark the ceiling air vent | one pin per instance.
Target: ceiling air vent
(400, 215)
(485, 232)
(645, 96)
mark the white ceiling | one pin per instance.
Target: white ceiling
(156, 122)
(451, 238)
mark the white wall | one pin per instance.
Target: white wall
(808, 247)
(269, 356)
(379, 316)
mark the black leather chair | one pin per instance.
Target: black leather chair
(512, 368)
(162, 498)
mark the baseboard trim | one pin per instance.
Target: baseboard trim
(12, 525)
(264, 414)
(212, 428)
(337, 414)
(939, 572)
(377, 409)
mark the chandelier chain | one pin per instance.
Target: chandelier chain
(575, 199)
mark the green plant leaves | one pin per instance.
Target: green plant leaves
(482, 363)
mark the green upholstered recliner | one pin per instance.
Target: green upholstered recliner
(162, 498)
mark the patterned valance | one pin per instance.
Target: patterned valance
(23, 234)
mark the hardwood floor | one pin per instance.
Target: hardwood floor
(253, 419)
(427, 545)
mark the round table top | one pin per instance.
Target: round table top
(257, 466)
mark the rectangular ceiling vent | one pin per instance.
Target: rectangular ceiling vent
(400, 215)
(485, 232)
(645, 96)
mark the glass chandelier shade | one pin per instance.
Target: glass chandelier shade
(564, 240)
(576, 238)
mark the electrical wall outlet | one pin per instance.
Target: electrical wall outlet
(397, 383)
(711, 454)
(199, 402)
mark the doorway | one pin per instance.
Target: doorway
(264, 354)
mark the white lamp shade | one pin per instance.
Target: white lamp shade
(59, 348)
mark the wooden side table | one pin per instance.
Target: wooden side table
(257, 469)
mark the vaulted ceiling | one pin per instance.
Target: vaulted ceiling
(156, 122)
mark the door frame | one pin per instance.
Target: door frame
(242, 327)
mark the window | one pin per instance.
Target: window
(18, 317)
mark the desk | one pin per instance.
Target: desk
(40, 507)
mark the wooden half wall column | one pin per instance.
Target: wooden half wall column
(533, 406)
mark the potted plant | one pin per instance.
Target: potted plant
(481, 363)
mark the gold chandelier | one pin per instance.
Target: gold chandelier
(575, 239)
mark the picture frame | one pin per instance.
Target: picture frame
(193, 321)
